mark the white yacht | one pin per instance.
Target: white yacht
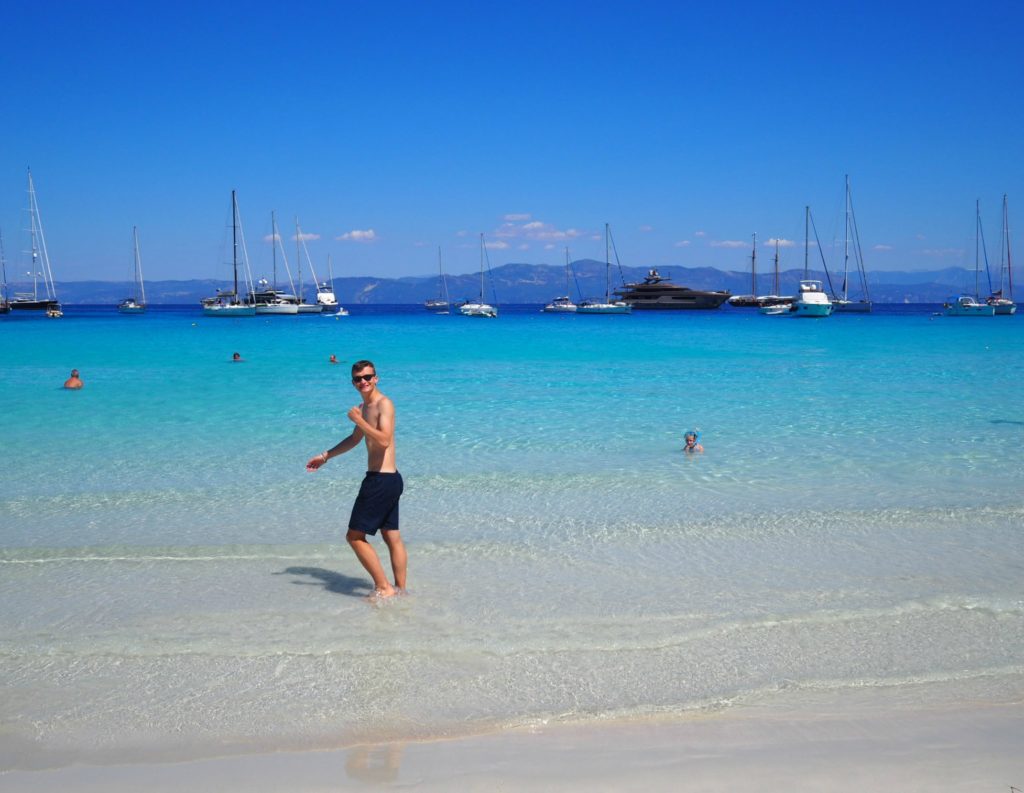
(811, 301)
(136, 304)
(967, 306)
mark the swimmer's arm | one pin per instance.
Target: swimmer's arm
(339, 448)
(383, 435)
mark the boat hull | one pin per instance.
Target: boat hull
(851, 306)
(604, 308)
(279, 309)
(229, 311)
(1003, 307)
(478, 310)
(136, 309)
(33, 305)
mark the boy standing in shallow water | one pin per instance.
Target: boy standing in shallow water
(376, 506)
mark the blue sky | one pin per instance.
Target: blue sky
(686, 126)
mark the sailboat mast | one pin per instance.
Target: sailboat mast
(607, 263)
(3, 270)
(138, 267)
(753, 268)
(807, 238)
(977, 244)
(846, 244)
(1010, 268)
(775, 283)
(481, 268)
(234, 241)
(298, 260)
(273, 246)
(567, 292)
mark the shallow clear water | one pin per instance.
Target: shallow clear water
(171, 574)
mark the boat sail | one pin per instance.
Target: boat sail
(844, 303)
(596, 306)
(136, 304)
(1002, 299)
(228, 304)
(480, 308)
(439, 304)
(562, 304)
(25, 301)
(970, 305)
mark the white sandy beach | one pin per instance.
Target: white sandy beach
(852, 741)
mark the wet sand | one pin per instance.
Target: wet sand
(849, 742)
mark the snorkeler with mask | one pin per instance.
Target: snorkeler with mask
(692, 441)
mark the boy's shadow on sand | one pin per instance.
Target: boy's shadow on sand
(331, 581)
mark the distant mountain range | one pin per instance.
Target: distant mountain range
(538, 283)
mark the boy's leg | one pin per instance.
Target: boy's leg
(393, 539)
(369, 560)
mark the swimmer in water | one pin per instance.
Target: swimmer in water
(692, 446)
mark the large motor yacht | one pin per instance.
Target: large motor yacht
(657, 293)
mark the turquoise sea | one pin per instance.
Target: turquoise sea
(174, 582)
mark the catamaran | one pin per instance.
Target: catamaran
(228, 304)
(607, 306)
(480, 308)
(32, 301)
(136, 304)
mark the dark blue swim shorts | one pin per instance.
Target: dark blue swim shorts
(376, 505)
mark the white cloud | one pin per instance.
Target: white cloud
(517, 216)
(729, 244)
(683, 244)
(461, 233)
(524, 247)
(500, 245)
(783, 243)
(645, 228)
(943, 252)
(699, 234)
(534, 230)
(305, 236)
(882, 248)
(272, 238)
(596, 237)
(550, 246)
(356, 235)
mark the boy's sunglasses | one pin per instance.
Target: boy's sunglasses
(366, 378)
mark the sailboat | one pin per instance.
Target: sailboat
(970, 305)
(304, 307)
(267, 299)
(136, 304)
(25, 301)
(811, 299)
(998, 299)
(480, 308)
(228, 304)
(595, 306)
(844, 303)
(439, 304)
(562, 304)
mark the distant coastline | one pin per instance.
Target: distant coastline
(530, 283)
